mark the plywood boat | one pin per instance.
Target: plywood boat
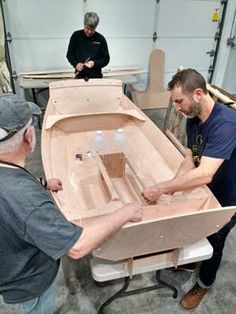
(96, 186)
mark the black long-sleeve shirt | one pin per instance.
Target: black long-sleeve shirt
(82, 47)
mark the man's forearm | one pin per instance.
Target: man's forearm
(98, 230)
(185, 166)
(191, 179)
(187, 181)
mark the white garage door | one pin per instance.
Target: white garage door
(186, 31)
(40, 31)
(128, 26)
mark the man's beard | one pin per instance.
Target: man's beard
(194, 111)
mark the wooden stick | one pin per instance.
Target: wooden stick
(135, 174)
(76, 72)
(87, 60)
(134, 193)
(175, 257)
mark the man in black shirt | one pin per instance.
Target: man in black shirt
(88, 52)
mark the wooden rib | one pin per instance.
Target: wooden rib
(109, 186)
(135, 174)
(133, 191)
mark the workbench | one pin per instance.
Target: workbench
(39, 81)
(103, 270)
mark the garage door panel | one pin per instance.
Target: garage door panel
(187, 52)
(187, 17)
(132, 52)
(124, 17)
(40, 55)
(27, 18)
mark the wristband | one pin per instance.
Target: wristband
(43, 182)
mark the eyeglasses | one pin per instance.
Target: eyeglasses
(9, 135)
(35, 120)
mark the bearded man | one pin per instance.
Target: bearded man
(210, 159)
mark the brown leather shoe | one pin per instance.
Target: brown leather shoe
(193, 298)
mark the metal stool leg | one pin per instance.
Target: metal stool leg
(123, 293)
(117, 295)
(165, 284)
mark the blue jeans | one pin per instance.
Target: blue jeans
(44, 304)
(209, 268)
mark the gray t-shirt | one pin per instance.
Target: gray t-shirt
(33, 236)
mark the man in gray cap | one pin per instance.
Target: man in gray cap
(34, 234)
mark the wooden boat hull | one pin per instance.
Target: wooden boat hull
(76, 109)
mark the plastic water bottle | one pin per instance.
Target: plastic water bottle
(98, 144)
(119, 142)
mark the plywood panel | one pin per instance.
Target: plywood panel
(92, 190)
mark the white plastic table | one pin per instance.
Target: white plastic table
(103, 270)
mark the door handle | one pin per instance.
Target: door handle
(211, 53)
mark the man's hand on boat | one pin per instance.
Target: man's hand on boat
(134, 210)
(98, 230)
(152, 193)
(54, 184)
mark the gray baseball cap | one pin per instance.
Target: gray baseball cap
(15, 113)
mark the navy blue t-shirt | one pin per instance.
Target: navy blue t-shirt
(216, 138)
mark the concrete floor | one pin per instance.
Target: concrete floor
(78, 293)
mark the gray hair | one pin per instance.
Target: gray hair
(91, 19)
(13, 143)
